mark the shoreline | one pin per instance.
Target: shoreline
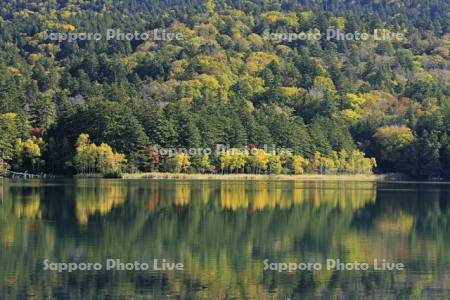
(388, 177)
(303, 177)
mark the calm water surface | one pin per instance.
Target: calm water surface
(222, 231)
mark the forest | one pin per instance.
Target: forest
(342, 106)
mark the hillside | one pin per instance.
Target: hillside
(239, 73)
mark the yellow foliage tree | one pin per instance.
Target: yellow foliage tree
(182, 162)
(325, 84)
(28, 154)
(299, 163)
(92, 158)
(233, 160)
(258, 160)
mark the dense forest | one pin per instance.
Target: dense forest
(106, 105)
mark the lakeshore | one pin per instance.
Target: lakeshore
(303, 177)
(233, 177)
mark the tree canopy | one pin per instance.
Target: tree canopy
(227, 82)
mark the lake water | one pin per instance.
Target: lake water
(222, 232)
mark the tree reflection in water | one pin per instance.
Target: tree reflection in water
(222, 231)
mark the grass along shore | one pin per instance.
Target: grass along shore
(303, 177)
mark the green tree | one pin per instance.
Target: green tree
(274, 163)
(9, 133)
(203, 163)
(395, 147)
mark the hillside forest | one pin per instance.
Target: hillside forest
(341, 106)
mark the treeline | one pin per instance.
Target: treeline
(225, 83)
(90, 158)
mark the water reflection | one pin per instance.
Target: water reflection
(222, 231)
(258, 195)
(97, 199)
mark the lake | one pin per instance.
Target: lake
(231, 239)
